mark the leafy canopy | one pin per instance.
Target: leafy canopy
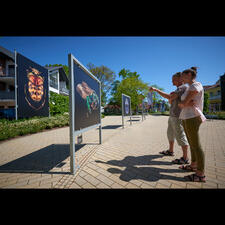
(106, 76)
(131, 85)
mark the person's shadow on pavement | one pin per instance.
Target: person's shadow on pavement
(146, 172)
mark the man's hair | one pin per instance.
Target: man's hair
(178, 74)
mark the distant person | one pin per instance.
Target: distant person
(175, 129)
(192, 117)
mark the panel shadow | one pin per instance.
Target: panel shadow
(111, 126)
(41, 161)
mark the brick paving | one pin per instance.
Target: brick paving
(127, 159)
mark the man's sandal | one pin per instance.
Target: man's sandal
(167, 152)
(180, 161)
(195, 178)
(187, 168)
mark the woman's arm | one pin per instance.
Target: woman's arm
(188, 101)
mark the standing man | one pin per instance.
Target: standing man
(175, 128)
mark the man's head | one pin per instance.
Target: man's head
(177, 80)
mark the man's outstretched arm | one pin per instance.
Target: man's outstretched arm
(163, 94)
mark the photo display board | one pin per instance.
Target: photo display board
(32, 88)
(87, 98)
(85, 104)
(126, 105)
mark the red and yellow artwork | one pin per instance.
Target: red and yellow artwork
(35, 85)
(34, 88)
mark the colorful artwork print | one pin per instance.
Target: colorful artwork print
(89, 96)
(34, 89)
(127, 106)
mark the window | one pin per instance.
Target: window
(2, 86)
(211, 94)
(11, 88)
(54, 80)
(2, 67)
(11, 70)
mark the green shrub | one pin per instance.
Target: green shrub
(206, 103)
(58, 104)
(21, 127)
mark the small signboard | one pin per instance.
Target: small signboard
(126, 108)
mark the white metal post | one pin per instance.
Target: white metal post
(122, 112)
(100, 127)
(48, 96)
(72, 119)
(15, 61)
(130, 112)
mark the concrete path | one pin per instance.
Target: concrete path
(127, 158)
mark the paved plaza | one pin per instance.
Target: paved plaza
(127, 158)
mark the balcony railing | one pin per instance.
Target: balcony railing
(64, 90)
(215, 97)
(7, 95)
(7, 75)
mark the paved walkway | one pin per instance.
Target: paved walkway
(127, 158)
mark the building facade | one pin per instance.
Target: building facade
(58, 83)
(7, 84)
(214, 92)
(58, 80)
(216, 95)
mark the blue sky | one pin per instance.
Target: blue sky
(156, 59)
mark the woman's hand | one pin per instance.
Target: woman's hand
(182, 105)
(191, 103)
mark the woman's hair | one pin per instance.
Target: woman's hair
(192, 70)
(178, 74)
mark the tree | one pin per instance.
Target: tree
(127, 74)
(131, 85)
(156, 97)
(112, 100)
(206, 102)
(106, 76)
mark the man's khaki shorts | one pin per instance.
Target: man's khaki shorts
(175, 130)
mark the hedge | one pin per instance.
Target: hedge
(21, 127)
(59, 111)
(58, 104)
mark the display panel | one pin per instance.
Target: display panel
(32, 88)
(126, 105)
(87, 98)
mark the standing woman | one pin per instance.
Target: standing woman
(192, 117)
